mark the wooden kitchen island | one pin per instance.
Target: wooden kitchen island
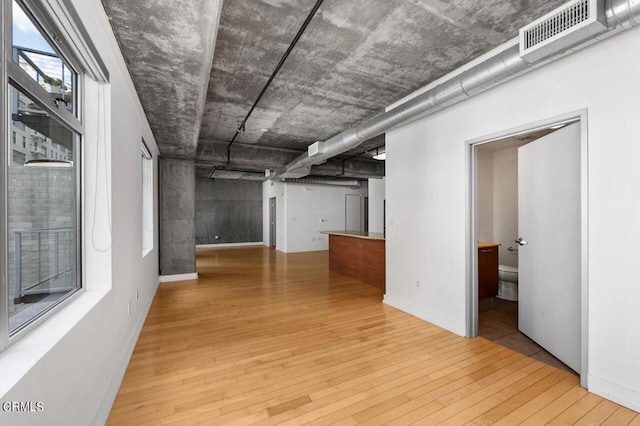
(359, 255)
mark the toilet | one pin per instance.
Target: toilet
(508, 282)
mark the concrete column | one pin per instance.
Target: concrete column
(177, 216)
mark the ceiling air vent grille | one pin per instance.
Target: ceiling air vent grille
(315, 149)
(561, 29)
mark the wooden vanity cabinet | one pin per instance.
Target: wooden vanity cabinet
(487, 271)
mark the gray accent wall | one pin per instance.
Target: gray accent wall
(228, 211)
(177, 216)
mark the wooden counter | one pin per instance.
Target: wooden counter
(359, 255)
(357, 234)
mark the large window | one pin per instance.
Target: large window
(41, 177)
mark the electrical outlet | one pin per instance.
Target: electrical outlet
(137, 294)
(418, 283)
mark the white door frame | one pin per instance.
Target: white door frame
(472, 208)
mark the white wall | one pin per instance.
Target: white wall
(311, 209)
(427, 183)
(485, 196)
(75, 361)
(498, 200)
(303, 211)
(505, 203)
(376, 205)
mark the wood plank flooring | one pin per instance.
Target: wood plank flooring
(267, 338)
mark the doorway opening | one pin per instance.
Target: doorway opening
(354, 217)
(272, 222)
(527, 246)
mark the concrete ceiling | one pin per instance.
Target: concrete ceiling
(355, 58)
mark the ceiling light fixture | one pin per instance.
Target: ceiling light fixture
(379, 154)
(557, 126)
(49, 163)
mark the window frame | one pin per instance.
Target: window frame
(4, 129)
(12, 74)
(146, 167)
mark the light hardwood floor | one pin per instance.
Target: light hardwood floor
(267, 338)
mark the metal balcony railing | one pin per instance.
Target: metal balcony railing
(43, 262)
(49, 71)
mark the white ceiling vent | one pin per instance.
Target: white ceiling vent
(316, 148)
(561, 29)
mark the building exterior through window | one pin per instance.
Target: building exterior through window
(42, 198)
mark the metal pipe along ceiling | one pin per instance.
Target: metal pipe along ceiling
(275, 72)
(620, 14)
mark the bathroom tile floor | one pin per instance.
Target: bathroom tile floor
(498, 322)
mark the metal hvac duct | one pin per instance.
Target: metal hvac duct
(351, 183)
(619, 14)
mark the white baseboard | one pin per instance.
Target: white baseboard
(178, 277)
(260, 243)
(121, 364)
(614, 392)
(419, 312)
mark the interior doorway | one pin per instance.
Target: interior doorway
(527, 211)
(365, 214)
(272, 222)
(353, 213)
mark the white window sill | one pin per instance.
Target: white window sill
(18, 359)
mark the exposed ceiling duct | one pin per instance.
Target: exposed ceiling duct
(350, 183)
(497, 69)
(236, 175)
(569, 24)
